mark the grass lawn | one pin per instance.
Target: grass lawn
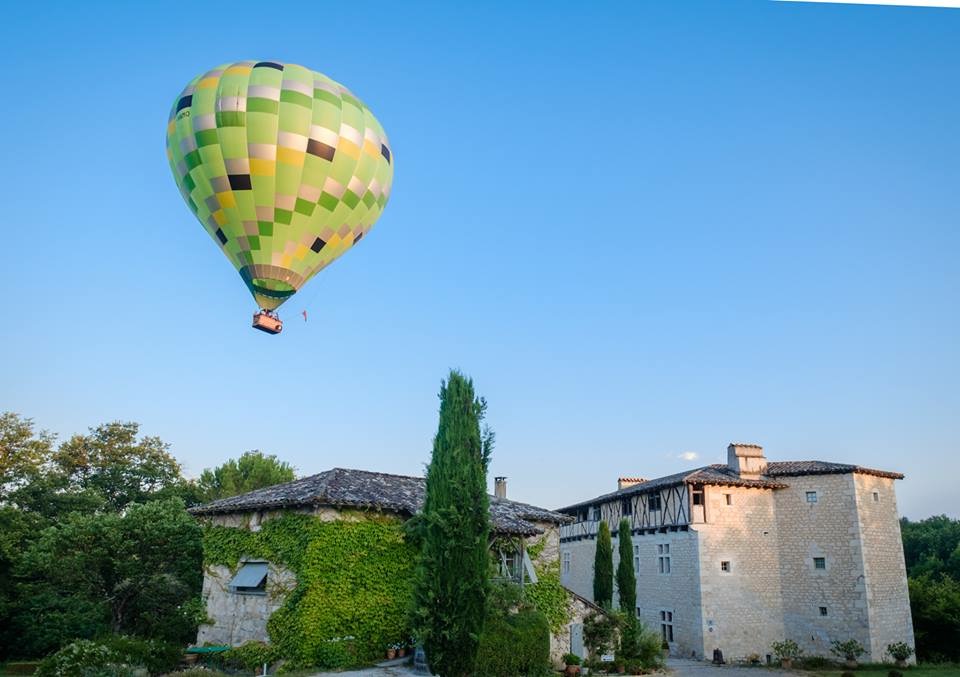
(923, 670)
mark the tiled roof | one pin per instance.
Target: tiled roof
(796, 468)
(721, 474)
(342, 487)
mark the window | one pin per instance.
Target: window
(823, 611)
(728, 499)
(663, 558)
(638, 612)
(626, 507)
(596, 513)
(251, 579)
(698, 496)
(725, 567)
(636, 558)
(811, 497)
(819, 562)
(653, 502)
(666, 625)
(876, 497)
(566, 562)
(583, 514)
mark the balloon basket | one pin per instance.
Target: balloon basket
(268, 322)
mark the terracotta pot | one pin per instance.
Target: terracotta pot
(402, 652)
(572, 670)
(391, 654)
(786, 663)
(622, 669)
(901, 663)
(850, 663)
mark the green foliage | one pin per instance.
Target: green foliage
(786, 649)
(931, 546)
(849, 650)
(83, 658)
(935, 606)
(253, 470)
(156, 656)
(600, 632)
(453, 532)
(22, 452)
(899, 651)
(251, 655)
(571, 659)
(603, 568)
(626, 577)
(639, 645)
(514, 644)
(112, 462)
(549, 596)
(354, 583)
(131, 573)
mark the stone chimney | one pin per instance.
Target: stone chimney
(624, 482)
(500, 487)
(747, 460)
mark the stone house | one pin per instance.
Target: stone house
(738, 556)
(242, 595)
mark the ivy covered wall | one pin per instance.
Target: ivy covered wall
(354, 583)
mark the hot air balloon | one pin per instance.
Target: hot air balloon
(285, 168)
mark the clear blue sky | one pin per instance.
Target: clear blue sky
(645, 229)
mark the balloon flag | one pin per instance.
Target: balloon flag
(285, 168)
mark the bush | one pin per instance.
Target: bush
(816, 663)
(250, 655)
(786, 649)
(895, 673)
(156, 656)
(639, 645)
(900, 651)
(571, 659)
(79, 659)
(850, 650)
(600, 632)
(514, 644)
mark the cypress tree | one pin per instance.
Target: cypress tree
(603, 568)
(626, 578)
(453, 533)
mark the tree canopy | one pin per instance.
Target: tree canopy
(253, 470)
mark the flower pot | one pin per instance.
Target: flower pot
(391, 654)
(901, 662)
(401, 652)
(850, 664)
(572, 670)
(786, 663)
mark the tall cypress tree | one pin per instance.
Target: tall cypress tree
(603, 568)
(453, 532)
(626, 578)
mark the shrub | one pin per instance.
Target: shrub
(571, 659)
(786, 649)
(640, 645)
(900, 651)
(156, 656)
(79, 659)
(895, 673)
(250, 655)
(816, 663)
(850, 650)
(600, 632)
(514, 644)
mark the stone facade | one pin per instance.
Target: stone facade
(807, 551)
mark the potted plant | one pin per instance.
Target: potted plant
(391, 652)
(849, 651)
(901, 652)
(753, 659)
(572, 663)
(786, 651)
(619, 666)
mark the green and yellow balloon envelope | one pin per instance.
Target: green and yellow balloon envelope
(285, 168)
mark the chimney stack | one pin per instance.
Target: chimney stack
(747, 460)
(624, 482)
(500, 487)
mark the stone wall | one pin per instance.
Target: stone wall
(743, 606)
(888, 601)
(829, 529)
(238, 618)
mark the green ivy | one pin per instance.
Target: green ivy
(354, 583)
(547, 594)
